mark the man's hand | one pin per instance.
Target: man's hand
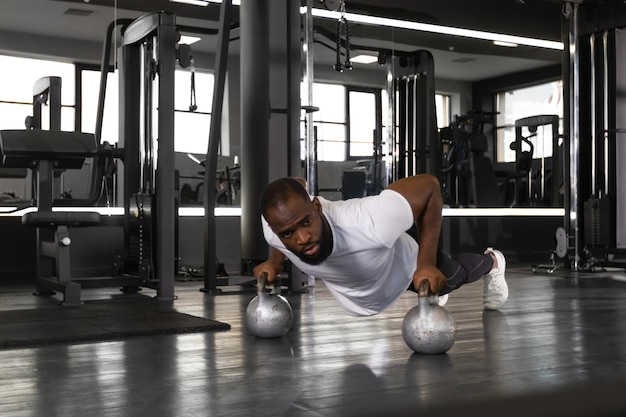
(435, 278)
(270, 268)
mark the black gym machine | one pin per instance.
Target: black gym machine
(144, 156)
(48, 153)
(144, 159)
(415, 146)
(593, 236)
(467, 174)
(536, 182)
(599, 182)
(471, 179)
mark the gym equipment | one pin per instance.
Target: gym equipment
(268, 315)
(353, 184)
(47, 90)
(415, 146)
(522, 177)
(147, 62)
(468, 176)
(46, 151)
(48, 154)
(428, 327)
(227, 184)
(604, 230)
(537, 180)
(342, 40)
(192, 93)
(560, 251)
(594, 197)
(211, 276)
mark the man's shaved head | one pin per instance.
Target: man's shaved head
(281, 190)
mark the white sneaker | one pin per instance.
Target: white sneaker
(443, 299)
(495, 289)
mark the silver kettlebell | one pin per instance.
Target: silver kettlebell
(428, 327)
(268, 314)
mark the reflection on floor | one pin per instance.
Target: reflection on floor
(558, 348)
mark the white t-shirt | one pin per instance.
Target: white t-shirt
(373, 259)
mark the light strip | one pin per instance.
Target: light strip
(105, 211)
(236, 211)
(504, 212)
(188, 40)
(192, 2)
(444, 30)
(235, 2)
(119, 211)
(422, 27)
(505, 44)
(219, 211)
(364, 59)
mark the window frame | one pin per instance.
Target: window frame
(500, 128)
(378, 119)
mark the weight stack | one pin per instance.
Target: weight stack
(599, 223)
(140, 236)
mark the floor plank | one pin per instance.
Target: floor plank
(559, 336)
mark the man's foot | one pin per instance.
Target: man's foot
(495, 289)
(443, 299)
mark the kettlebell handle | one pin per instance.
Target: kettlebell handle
(262, 284)
(423, 290)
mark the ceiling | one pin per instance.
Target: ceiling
(456, 58)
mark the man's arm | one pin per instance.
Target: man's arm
(423, 193)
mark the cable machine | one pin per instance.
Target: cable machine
(595, 187)
(147, 61)
(415, 144)
(539, 183)
(602, 190)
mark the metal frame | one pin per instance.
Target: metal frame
(148, 54)
(416, 147)
(535, 122)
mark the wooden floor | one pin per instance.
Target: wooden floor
(558, 348)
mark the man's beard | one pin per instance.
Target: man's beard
(321, 256)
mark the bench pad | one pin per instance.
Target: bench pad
(61, 218)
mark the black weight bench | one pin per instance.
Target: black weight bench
(46, 151)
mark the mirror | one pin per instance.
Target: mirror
(468, 71)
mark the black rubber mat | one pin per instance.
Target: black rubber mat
(96, 320)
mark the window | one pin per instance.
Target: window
(346, 121)
(443, 105)
(543, 99)
(342, 110)
(18, 76)
(90, 85)
(191, 127)
(330, 121)
(362, 109)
